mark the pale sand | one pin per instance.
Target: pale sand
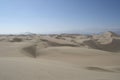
(67, 57)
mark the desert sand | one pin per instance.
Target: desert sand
(60, 57)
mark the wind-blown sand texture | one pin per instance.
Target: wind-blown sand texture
(60, 57)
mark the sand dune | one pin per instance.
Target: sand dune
(60, 57)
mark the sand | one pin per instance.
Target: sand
(60, 57)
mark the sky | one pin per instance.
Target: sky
(59, 16)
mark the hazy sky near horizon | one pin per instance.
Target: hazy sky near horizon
(59, 16)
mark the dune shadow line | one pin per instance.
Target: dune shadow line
(31, 50)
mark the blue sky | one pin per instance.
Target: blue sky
(59, 16)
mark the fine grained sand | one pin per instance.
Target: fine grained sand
(60, 57)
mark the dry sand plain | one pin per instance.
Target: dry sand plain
(60, 57)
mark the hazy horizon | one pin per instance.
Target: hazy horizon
(59, 16)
